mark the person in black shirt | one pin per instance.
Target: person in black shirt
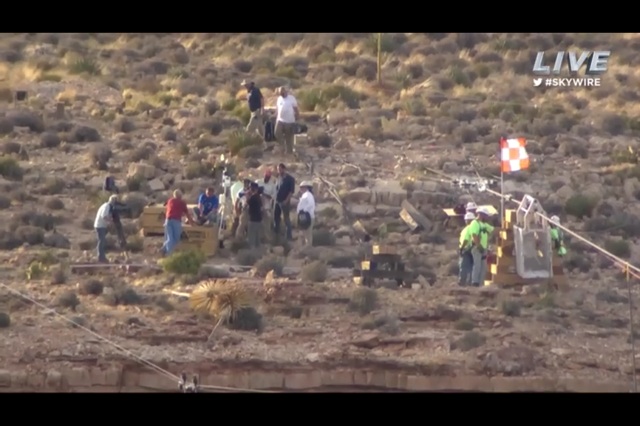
(256, 107)
(286, 188)
(254, 210)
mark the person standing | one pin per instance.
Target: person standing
(286, 188)
(267, 190)
(100, 224)
(254, 213)
(207, 209)
(116, 209)
(307, 206)
(479, 231)
(255, 101)
(176, 208)
(287, 115)
(557, 236)
(465, 263)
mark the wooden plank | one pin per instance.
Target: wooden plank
(406, 218)
(511, 261)
(501, 268)
(381, 249)
(418, 217)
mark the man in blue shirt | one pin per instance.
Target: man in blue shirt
(207, 210)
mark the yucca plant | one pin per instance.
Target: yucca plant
(241, 139)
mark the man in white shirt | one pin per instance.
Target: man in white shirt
(103, 217)
(288, 114)
(307, 204)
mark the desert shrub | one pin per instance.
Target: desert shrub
(135, 244)
(323, 238)
(10, 169)
(52, 186)
(122, 295)
(81, 134)
(91, 287)
(9, 148)
(510, 308)
(240, 139)
(58, 276)
(169, 134)
(54, 204)
(85, 66)
(613, 124)
(620, 248)
(6, 126)
(26, 119)
(385, 323)
(363, 300)
(135, 183)
(5, 202)
(124, 125)
(68, 299)
(196, 169)
(247, 257)
(49, 140)
(580, 206)
(470, 340)
(39, 220)
(269, 263)
(314, 272)
(183, 262)
(466, 133)
(100, 156)
(5, 320)
(29, 234)
(414, 107)
(252, 152)
(139, 154)
(320, 139)
(322, 98)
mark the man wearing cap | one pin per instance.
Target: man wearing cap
(471, 207)
(256, 107)
(465, 262)
(557, 237)
(307, 206)
(287, 115)
(100, 224)
(253, 208)
(268, 192)
(479, 231)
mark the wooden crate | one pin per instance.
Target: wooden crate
(201, 238)
(152, 220)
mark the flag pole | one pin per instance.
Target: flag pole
(501, 197)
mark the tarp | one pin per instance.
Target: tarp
(235, 189)
(534, 254)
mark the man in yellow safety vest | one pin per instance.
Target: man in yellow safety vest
(557, 237)
(479, 230)
(465, 262)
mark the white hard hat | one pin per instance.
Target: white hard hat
(483, 210)
(306, 183)
(471, 205)
(469, 216)
(555, 219)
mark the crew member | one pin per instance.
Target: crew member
(176, 209)
(307, 207)
(100, 224)
(286, 188)
(465, 262)
(477, 228)
(254, 215)
(239, 227)
(287, 115)
(471, 207)
(557, 236)
(256, 107)
(268, 193)
(207, 209)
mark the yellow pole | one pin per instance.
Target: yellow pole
(379, 58)
(627, 273)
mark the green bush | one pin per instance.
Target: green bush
(314, 272)
(183, 263)
(241, 139)
(10, 169)
(322, 98)
(580, 206)
(85, 66)
(620, 248)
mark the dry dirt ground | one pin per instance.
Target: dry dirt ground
(157, 110)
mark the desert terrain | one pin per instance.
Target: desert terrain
(156, 111)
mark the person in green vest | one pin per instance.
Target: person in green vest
(479, 230)
(557, 237)
(465, 263)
